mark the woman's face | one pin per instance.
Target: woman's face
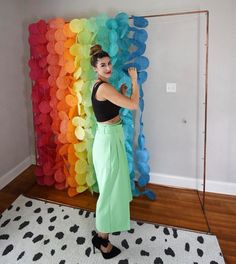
(104, 67)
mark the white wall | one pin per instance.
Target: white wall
(221, 148)
(222, 94)
(14, 95)
(172, 127)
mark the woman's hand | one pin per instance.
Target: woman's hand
(133, 74)
(123, 89)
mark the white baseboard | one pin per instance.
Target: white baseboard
(13, 173)
(191, 183)
(221, 187)
(33, 159)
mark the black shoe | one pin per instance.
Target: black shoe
(98, 242)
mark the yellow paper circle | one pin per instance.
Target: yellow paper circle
(79, 132)
(78, 85)
(90, 179)
(80, 147)
(81, 189)
(76, 25)
(77, 73)
(78, 121)
(74, 49)
(81, 110)
(79, 97)
(85, 37)
(89, 133)
(81, 166)
(81, 178)
(81, 155)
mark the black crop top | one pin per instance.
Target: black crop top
(103, 110)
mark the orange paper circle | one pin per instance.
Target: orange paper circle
(71, 182)
(63, 82)
(71, 100)
(50, 35)
(62, 106)
(60, 94)
(59, 35)
(56, 23)
(69, 42)
(52, 59)
(72, 192)
(67, 55)
(62, 115)
(59, 47)
(51, 47)
(54, 70)
(67, 31)
(70, 66)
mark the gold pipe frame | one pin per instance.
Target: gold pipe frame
(206, 84)
(206, 87)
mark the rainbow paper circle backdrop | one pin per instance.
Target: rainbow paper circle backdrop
(62, 80)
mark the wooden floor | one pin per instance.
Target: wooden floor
(173, 207)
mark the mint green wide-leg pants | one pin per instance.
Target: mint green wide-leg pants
(111, 168)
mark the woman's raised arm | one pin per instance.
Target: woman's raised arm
(108, 92)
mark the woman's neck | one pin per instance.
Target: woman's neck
(102, 79)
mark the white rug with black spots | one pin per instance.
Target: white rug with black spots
(33, 231)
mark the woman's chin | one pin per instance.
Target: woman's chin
(109, 75)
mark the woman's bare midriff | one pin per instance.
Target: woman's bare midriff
(112, 121)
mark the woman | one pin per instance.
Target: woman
(109, 156)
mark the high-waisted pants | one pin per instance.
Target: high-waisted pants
(111, 168)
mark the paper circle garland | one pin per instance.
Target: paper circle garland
(62, 79)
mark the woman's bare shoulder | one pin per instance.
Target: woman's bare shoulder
(107, 85)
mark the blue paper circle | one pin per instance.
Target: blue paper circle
(140, 21)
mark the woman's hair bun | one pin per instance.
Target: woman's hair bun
(95, 49)
(96, 53)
